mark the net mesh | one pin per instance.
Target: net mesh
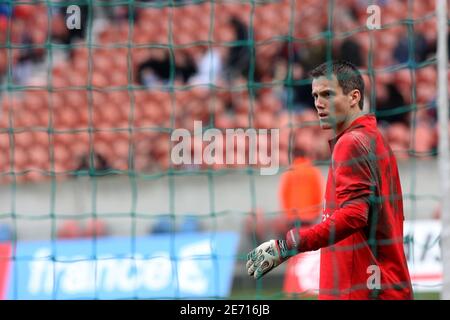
(87, 114)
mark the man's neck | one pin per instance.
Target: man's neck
(348, 122)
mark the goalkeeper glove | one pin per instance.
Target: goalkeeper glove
(267, 256)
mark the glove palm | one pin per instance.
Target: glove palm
(265, 257)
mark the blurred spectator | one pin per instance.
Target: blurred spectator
(209, 66)
(19, 32)
(295, 92)
(302, 97)
(279, 74)
(100, 163)
(350, 51)
(185, 67)
(70, 229)
(238, 60)
(300, 193)
(155, 69)
(418, 47)
(311, 55)
(388, 100)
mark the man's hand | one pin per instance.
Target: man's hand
(267, 256)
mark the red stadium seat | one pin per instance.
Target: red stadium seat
(95, 228)
(70, 229)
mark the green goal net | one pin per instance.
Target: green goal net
(173, 122)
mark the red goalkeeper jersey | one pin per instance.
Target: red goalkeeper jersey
(361, 233)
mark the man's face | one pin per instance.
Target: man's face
(333, 106)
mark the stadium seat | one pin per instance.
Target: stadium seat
(95, 228)
(70, 229)
(163, 224)
(190, 224)
(6, 234)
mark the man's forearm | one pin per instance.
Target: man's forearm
(343, 223)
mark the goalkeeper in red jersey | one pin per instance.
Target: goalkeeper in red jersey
(361, 233)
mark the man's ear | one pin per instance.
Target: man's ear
(355, 97)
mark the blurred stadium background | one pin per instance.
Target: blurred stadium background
(86, 118)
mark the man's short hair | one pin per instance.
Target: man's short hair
(348, 76)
